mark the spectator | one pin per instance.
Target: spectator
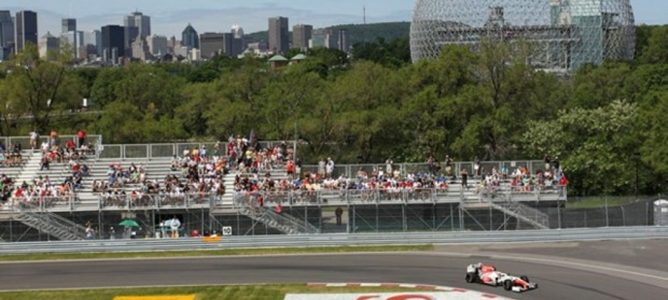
(44, 164)
(81, 136)
(329, 168)
(464, 174)
(339, 213)
(34, 138)
(321, 168)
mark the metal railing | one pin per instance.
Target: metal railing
(24, 141)
(502, 167)
(156, 201)
(247, 204)
(394, 196)
(39, 217)
(167, 150)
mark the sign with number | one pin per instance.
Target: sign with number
(227, 230)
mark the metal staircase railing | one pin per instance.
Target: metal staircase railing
(246, 205)
(50, 223)
(524, 213)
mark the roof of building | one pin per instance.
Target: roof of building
(278, 58)
(299, 56)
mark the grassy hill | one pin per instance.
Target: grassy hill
(358, 32)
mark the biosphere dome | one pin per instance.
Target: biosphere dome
(564, 34)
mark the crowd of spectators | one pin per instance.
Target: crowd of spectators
(196, 174)
(11, 157)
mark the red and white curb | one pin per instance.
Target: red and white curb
(468, 294)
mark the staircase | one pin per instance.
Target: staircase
(52, 224)
(30, 170)
(282, 222)
(530, 215)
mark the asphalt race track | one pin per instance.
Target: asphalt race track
(556, 278)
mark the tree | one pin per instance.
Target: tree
(596, 157)
(657, 47)
(36, 88)
(393, 54)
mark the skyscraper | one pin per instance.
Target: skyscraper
(93, 38)
(344, 40)
(137, 25)
(157, 45)
(113, 42)
(211, 44)
(49, 46)
(238, 43)
(69, 25)
(26, 29)
(323, 38)
(141, 22)
(301, 35)
(278, 35)
(6, 34)
(189, 37)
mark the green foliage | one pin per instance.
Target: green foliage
(596, 156)
(396, 53)
(34, 88)
(656, 51)
(488, 104)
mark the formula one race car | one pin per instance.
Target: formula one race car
(487, 274)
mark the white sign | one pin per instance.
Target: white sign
(227, 230)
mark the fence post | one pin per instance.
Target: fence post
(607, 221)
(558, 215)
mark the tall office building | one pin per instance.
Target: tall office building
(113, 43)
(157, 45)
(49, 47)
(93, 38)
(139, 20)
(26, 29)
(238, 43)
(69, 25)
(278, 35)
(6, 34)
(74, 40)
(137, 25)
(301, 35)
(323, 38)
(343, 40)
(211, 44)
(189, 37)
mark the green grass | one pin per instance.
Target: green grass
(224, 252)
(599, 202)
(237, 292)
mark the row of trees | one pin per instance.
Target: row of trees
(605, 123)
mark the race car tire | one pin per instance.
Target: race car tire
(525, 278)
(470, 277)
(508, 285)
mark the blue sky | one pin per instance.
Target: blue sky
(169, 17)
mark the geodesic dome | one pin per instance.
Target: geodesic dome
(562, 34)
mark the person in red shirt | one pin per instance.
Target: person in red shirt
(70, 145)
(81, 135)
(290, 168)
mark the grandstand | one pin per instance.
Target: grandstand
(251, 191)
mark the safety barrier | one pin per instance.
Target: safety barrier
(320, 240)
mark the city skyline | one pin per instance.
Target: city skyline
(169, 18)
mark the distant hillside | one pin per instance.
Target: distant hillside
(358, 32)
